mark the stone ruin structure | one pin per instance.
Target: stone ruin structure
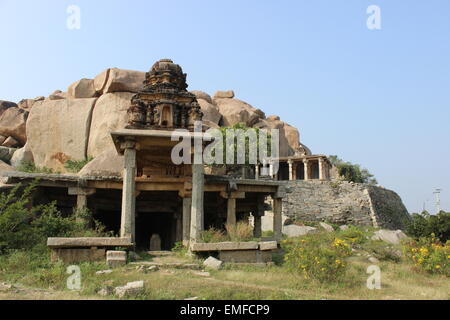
(124, 120)
(156, 197)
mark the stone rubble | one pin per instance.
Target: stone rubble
(130, 289)
(212, 263)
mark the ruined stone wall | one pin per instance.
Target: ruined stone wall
(342, 202)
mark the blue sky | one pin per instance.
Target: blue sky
(379, 98)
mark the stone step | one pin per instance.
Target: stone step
(168, 265)
(161, 253)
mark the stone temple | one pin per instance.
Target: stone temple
(125, 120)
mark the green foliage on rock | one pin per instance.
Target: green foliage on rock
(76, 165)
(352, 172)
(30, 167)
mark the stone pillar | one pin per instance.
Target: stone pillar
(259, 212)
(271, 170)
(231, 211)
(277, 219)
(257, 172)
(327, 171)
(127, 223)
(306, 169)
(178, 227)
(321, 169)
(82, 197)
(197, 219)
(291, 171)
(231, 204)
(187, 203)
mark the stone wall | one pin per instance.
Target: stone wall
(343, 202)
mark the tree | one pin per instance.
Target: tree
(352, 172)
(424, 225)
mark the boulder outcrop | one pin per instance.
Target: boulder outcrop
(235, 111)
(202, 95)
(210, 111)
(110, 114)
(77, 123)
(13, 124)
(83, 88)
(22, 155)
(4, 105)
(58, 130)
(108, 164)
(119, 80)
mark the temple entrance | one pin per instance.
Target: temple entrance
(314, 170)
(161, 224)
(283, 171)
(300, 172)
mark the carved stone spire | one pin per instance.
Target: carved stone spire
(164, 102)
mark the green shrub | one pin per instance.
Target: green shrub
(429, 254)
(179, 249)
(353, 235)
(213, 235)
(352, 172)
(425, 225)
(317, 256)
(76, 165)
(383, 252)
(23, 226)
(30, 167)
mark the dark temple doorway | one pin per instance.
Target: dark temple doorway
(150, 223)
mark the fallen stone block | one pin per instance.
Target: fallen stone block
(104, 271)
(326, 227)
(5, 286)
(107, 291)
(213, 263)
(153, 268)
(297, 231)
(373, 260)
(116, 258)
(130, 289)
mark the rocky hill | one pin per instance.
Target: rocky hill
(75, 124)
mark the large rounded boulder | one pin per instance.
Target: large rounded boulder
(110, 114)
(57, 131)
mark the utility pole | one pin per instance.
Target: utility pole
(438, 200)
(424, 205)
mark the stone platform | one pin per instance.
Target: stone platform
(72, 250)
(239, 252)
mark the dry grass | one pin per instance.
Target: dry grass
(241, 231)
(399, 281)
